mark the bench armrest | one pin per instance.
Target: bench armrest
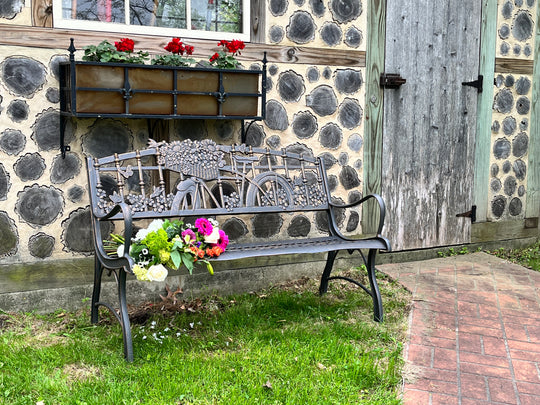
(376, 197)
(127, 215)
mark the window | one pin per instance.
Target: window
(212, 19)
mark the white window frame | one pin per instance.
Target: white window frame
(126, 28)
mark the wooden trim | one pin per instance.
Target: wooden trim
(532, 205)
(258, 21)
(35, 37)
(484, 114)
(518, 66)
(503, 230)
(374, 109)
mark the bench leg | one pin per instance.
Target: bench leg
(98, 272)
(323, 288)
(371, 274)
(124, 317)
(375, 293)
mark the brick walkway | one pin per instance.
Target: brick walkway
(474, 331)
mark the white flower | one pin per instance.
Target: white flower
(154, 226)
(120, 251)
(157, 272)
(213, 237)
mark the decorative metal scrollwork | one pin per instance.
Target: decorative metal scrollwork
(199, 159)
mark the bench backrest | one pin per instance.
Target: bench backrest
(196, 178)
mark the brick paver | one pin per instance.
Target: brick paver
(474, 333)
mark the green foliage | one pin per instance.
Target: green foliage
(172, 60)
(106, 52)
(453, 252)
(281, 346)
(230, 15)
(528, 256)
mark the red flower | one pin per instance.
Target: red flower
(235, 45)
(174, 46)
(189, 49)
(125, 45)
(214, 57)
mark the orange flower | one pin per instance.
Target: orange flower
(214, 251)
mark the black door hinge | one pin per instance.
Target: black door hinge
(478, 83)
(469, 214)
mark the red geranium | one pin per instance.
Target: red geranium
(235, 46)
(176, 46)
(178, 49)
(125, 45)
(225, 58)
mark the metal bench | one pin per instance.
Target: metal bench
(203, 179)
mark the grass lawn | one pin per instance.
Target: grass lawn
(285, 345)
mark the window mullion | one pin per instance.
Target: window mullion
(127, 11)
(188, 14)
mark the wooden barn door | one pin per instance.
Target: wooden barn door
(430, 121)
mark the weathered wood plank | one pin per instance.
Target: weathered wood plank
(258, 21)
(59, 39)
(503, 230)
(42, 14)
(373, 126)
(430, 121)
(485, 107)
(532, 206)
(518, 66)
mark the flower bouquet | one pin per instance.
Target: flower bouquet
(176, 57)
(170, 244)
(121, 52)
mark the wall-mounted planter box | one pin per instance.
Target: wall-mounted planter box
(141, 90)
(116, 90)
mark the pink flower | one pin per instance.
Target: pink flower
(190, 234)
(204, 226)
(223, 240)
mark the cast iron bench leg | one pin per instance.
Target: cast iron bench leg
(371, 273)
(124, 317)
(98, 272)
(323, 288)
(375, 293)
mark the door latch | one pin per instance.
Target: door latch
(478, 83)
(391, 80)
